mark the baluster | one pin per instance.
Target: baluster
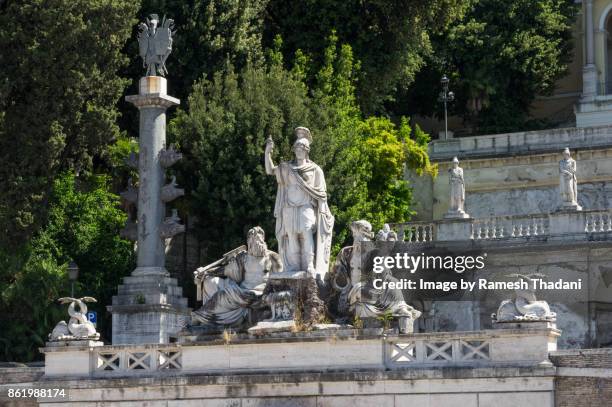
(494, 229)
(535, 226)
(419, 232)
(400, 234)
(600, 220)
(609, 228)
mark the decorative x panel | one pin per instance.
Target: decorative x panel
(108, 361)
(471, 350)
(402, 352)
(139, 361)
(439, 350)
(169, 360)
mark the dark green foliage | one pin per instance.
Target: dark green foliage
(499, 58)
(84, 223)
(230, 116)
(58, 89)
(389, 37)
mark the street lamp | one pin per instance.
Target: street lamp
(73, 274)
(445, 97)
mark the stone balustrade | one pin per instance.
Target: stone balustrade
(556, 225)
(417, 232)
(319, 350)
(500, 227)
(598, 221)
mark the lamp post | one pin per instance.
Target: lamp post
(73, 274)
(445, 97)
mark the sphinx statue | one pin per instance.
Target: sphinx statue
(233, 286)
(524, 307)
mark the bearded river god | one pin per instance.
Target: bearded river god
(304, 222)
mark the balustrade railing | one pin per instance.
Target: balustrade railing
(508, 227)
(109, 360)
(501, 227)
(405, 352)
(599, 221)
(416, 232)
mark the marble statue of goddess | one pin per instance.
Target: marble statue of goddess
(304, 222)
(457, 190)
(568, 186)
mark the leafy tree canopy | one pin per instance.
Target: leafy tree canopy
(230, 116)
(390, 38)
(499, 57)
(83, 225)
(58, 88)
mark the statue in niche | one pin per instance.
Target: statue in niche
(524, 307)
(361, 299)
(231, 286)
(457, 192)
(568, 185)
(304, 222)
(78, 327)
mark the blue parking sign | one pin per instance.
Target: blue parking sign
(92, 316)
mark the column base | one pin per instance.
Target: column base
(148, 309)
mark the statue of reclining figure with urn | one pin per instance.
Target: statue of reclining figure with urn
(232, 288)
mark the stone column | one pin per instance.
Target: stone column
(149, 306)
(152, 103)
(589, 72)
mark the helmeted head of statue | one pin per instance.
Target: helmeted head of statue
(455, 162)
(301, 146)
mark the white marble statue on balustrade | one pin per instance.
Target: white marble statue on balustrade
(456, 181)
(568, 185)
(358, 299)
(229, 287)
(304, 222)
(386, 234)
(524, 307)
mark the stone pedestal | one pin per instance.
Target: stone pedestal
(456, 215)
(148, 309)
(294, 301)
(454, 229)
(149, 306)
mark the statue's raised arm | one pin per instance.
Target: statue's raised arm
(270, 167)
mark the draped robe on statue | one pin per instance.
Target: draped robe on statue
(304, 222)
(226, 299)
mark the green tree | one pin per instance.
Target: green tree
(499, 57)
(230, 116)
(390, 38)
(83, 225)
(58, 88)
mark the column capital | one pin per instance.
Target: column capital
(153, 100)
